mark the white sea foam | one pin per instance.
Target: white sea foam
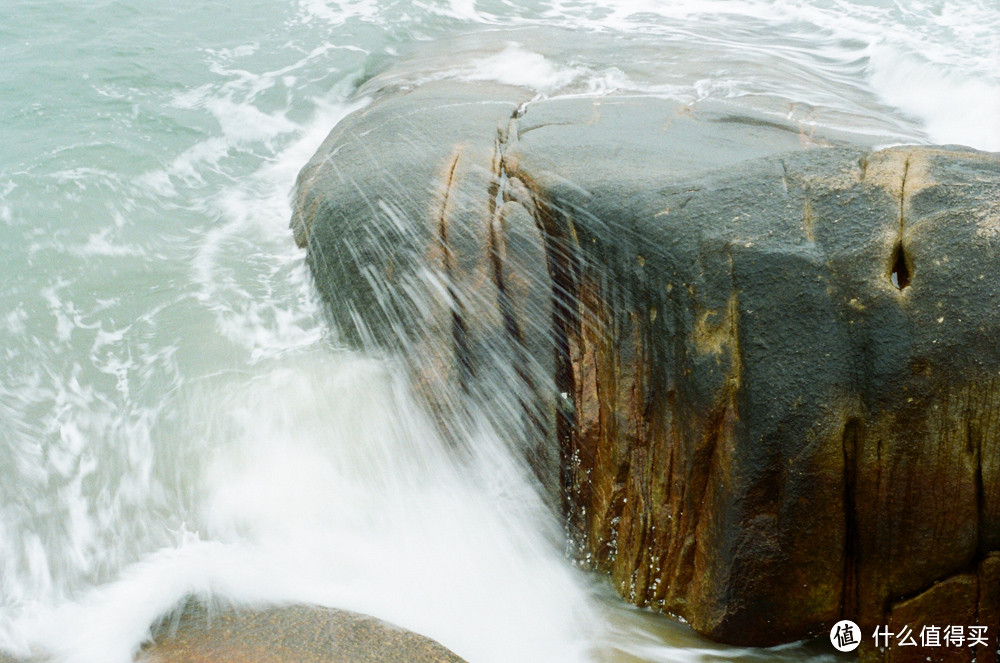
(340, 11)
(952, 105)
(372, 514)
(518, 66)
(280, 313)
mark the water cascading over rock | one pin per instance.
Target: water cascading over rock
(760, 364)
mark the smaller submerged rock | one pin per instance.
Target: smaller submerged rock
(289, 634)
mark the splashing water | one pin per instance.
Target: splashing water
(176, 417)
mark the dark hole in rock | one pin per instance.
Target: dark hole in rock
(900, 272)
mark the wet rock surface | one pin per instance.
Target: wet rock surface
(291, 634)
(765, 358)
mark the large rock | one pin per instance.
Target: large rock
(770, 372)
(291, 634)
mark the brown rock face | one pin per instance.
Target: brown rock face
(955, 620)
(294, 634)
(769, 375)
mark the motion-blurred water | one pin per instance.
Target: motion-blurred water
(175, 415)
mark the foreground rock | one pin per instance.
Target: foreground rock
(770, 372)
(294, 634)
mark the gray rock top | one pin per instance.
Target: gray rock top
(291, 634)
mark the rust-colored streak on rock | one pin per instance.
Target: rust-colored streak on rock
(562, 263)
(459, 330)
(634, 564)
(593, 428)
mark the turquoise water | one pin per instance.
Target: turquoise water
(175, 415)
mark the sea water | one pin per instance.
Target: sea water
(176, 416)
